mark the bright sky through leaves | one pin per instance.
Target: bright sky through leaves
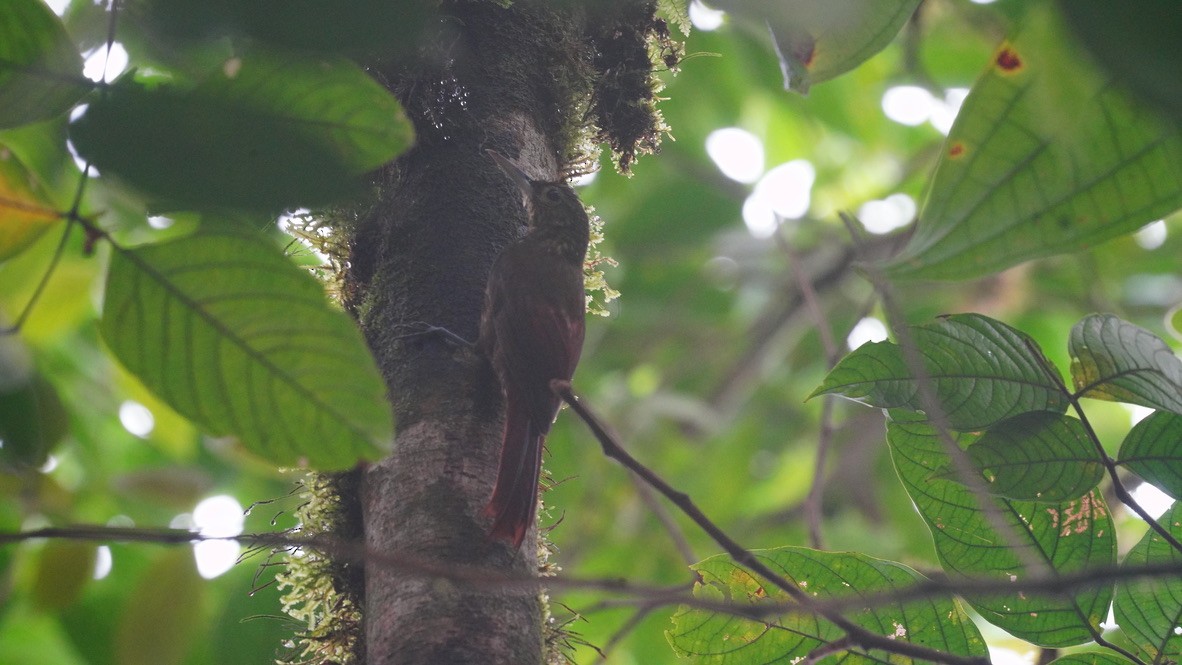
(869, 329)
(705, 18)
(102, 66)
(219, 515)
(737, 152)
(885, 215)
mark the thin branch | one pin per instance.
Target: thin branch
(813, 501)
(623, 631)
(1110, 465)
(934, 586)
(857, 634)
(671, 527)
(71, 216)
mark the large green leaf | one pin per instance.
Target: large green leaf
(40, 69)
(267, 130)
(1115, 360)
(817, 39)
(713, 637)
(232, 335)
(1153, 450)
(1038, 456)
(981, 370)
(1045, 157)
(1138, 48)
(355, 28)
(1150, 610)
(1070, 536)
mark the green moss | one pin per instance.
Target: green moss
(320, 592)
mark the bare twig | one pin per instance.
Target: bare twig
(675, 533)
(1118, 486)
(937, 585)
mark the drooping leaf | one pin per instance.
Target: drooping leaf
(818, 40)
(1068, 537)
(40, 69)
(25, 210)
(163, 612)
(1045, 157)
(229, 333)
(269, 130)
(981, 370)
(1117, 361)
(64, 568)
(1138, 49)
(1153, 450)
(717, 638)
(1149, 611)
(1038, 456)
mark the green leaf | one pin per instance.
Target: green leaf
(40, 69)
(1092, 658)
(1069, 537)
(1138, 49)
(1117, 361)
(32, 417)
(1153, 450)
(1038, 456)
(163, 612)
(357, 28)
(25, 210)
(1045, 157)
(717, 638)
(268, 130)
(818, 40)
(1149, 610)
(32, 421)
(64, 568)
(982, 372)
(233, 336)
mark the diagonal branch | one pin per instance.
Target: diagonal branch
(856, 634)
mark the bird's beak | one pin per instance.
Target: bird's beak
(513, 172)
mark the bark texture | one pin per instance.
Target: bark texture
(422, 257)
(519, 80)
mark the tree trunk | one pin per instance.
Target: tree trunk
(535, 81)
(500, 79)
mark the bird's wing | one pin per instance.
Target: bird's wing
(539, 326)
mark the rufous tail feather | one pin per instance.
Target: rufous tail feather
(515, 496)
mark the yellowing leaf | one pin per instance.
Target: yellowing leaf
(25, 211)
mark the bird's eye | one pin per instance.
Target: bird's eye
(553, 195)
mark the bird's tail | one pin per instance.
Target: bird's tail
(515, 496)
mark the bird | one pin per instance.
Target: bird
(531, 332)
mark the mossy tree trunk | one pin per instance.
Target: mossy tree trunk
(519, 80)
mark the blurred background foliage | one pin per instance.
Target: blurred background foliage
(702, 365)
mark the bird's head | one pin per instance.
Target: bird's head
(551, 206)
